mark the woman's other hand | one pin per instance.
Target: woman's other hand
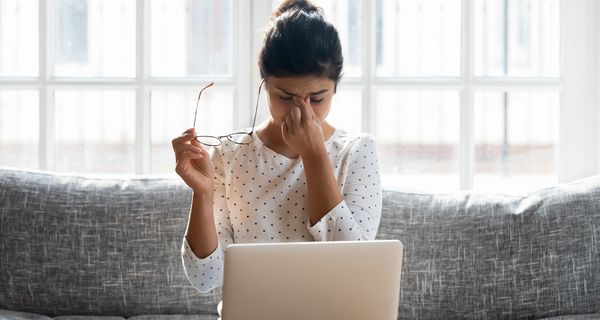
(193, 163)
(302, 131)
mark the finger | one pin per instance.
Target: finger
(180, 154)
(197, 143)
(309, 109)
(190, 131)
(296, 115)
(304, 106)
(188, 147)
(194, 141)
(183, 138)
(284, 130)
(182, 165)
(289, 122)
(189, 155)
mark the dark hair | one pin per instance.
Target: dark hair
(301, 42)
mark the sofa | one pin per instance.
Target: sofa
(78, 247)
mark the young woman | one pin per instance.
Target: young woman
(297, 178)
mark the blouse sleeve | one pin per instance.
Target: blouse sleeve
(357, 216)
(207, 273)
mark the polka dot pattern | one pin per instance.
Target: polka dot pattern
(261, 196)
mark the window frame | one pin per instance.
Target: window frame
(143, 83)
(578, 147)
(578, 143)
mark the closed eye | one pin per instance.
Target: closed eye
(312, 101)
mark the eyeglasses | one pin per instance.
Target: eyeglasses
(240, 137)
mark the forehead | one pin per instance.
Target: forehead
(300, 85)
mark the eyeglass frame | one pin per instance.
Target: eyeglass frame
(228, 136)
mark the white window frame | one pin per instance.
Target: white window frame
(143, 83)
(579, 141)
(578, 150)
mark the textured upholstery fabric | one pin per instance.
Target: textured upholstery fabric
(17, 315)
(88, 318)
(174, 317)
(576, 317)
(72, 245)
(478, 256)
(110, 247)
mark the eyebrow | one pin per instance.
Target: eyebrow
(311, 94)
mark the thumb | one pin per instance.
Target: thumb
(284, 131)
(195, 140)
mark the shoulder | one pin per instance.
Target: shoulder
(353, 140)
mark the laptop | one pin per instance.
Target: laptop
(312, 280)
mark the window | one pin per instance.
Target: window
(460, 94)
(111, 81)
(496, 95)
(468, 94)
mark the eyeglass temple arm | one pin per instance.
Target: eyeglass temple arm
(198, 101)
(256, 107)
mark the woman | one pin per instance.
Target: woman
(300, 178)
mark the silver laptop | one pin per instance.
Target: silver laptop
(312, 280)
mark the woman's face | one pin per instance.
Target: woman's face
(281, 91)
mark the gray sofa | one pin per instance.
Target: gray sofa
(77, 246)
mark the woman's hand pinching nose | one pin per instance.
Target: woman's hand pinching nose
(301, 129)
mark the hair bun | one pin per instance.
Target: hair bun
(295, 5)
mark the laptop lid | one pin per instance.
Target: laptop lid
(312, 280)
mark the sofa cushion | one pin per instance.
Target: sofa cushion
(75, 245)
(81, 317)
(477, 256)
(16, 315)
(174, 317)
(595, 316)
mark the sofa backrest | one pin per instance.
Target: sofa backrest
(483, 256)
(75, 245)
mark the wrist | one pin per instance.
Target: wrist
(203, 197)
(318, 154)
(317, 165)
(202, 205)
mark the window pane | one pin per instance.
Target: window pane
(19, 128)
(517, 38)
(346, 16)
(515, 140)
(173, 112)
(95, 38)
(346, 110)
(95, 131)
(191, 38)
(19, 38)
(418, 134)
(418, 38)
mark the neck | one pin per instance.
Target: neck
(269, 133)
(273, 131)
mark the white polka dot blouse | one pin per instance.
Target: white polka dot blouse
(261, 196)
